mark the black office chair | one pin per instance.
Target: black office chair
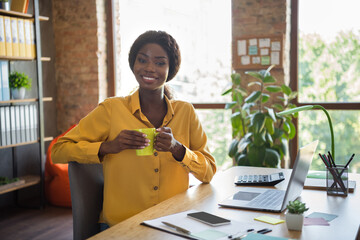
(86, 187)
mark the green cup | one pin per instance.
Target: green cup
(150, 134)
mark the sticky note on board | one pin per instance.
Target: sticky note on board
(270, 220)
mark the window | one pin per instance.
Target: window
(203, 31)
(327, 69)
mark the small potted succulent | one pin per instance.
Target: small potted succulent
(18, 83)
(294, 217)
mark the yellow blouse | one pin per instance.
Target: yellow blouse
(134, 183)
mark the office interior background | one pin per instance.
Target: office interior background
(88, 42)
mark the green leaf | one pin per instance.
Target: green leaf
(269, 124)
(269, 79)
(236, 119)
(292, 95)
(258, 121)
(236, 78)
(272, 157)
(265, 97)
(292, 132)
(243, 143)
(255, 75)
(256, 156)
(286, 127)
(242, 160)
(272, 114)
(230, 105)
(259, 138)
(269, 139)
(241, 91)
(254, 96)
(227, 92)
(254, 83)
(284, 146)
(233, 148)
(286, 89)
(278, 107)
(273, 88)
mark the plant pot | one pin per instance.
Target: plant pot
(294, 221)
(18, 93)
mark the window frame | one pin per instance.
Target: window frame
(294, 82)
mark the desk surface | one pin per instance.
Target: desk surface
(207, 196)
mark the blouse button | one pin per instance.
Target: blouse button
(156, 169)
(155, 154)
(155, 188)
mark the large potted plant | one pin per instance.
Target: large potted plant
(18, 83)
(260, 136)
(294, 217)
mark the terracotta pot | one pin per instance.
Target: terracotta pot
(18, 93)
(294, 221)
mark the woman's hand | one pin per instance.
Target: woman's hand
(165, 142)
(127, 139)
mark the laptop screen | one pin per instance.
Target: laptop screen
(299, 172)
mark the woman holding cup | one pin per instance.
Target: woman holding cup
(119, 127)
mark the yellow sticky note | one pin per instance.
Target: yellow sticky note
(270, 220)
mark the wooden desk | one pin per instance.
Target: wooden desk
(207, 196)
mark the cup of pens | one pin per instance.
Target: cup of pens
(337, 176)
(337, 180)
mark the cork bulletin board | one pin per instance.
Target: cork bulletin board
(258, 52)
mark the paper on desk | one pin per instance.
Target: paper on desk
(328, 217)
(201, 230)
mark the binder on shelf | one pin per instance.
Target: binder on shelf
(8, 38)
(22, 123)
(27, 123)
(17, 124)
(21, 33)
(7, 126)
(2, 37)
(19, 5)
(15, 37)
(13, 126)
(5, 80)
(27, 24)
(2, 127)
(33, 37)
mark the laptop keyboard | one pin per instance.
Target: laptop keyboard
(268, 199)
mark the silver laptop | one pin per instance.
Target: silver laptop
(274, 200)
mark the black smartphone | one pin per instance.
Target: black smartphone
(209, 218)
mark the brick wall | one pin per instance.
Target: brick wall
(262, 17)
(79, 58)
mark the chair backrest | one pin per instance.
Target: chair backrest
(86, 187)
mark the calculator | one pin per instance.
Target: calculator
(259, 180)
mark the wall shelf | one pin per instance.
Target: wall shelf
(46, 139)
(24, 181)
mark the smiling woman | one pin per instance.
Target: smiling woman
(205, 43)
(114, 132)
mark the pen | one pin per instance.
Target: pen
(177, 228)
(331, 159)
(265, 230)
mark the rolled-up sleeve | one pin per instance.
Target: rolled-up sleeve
(197, 157)
(82, 143)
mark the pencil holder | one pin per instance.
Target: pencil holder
(337, 180)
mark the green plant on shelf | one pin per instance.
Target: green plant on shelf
(5, 180)
(19, 80)
(296, 207)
